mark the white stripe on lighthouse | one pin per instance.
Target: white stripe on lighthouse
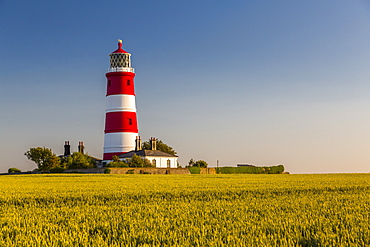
(120, 102)
(119, 142)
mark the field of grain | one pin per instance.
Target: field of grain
(185, 210)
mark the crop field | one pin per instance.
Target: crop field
(185, 210)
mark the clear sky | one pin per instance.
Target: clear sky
(259, 82)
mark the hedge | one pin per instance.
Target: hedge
(251, 170)
(194, 170)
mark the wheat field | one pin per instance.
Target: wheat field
(185, 210)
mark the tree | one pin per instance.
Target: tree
(201, 164)
(137, 161)
(79, 160)
(14, 170)
(147, 163)
(117, 162)
(44, 158)
(161, 146)
(191, 162)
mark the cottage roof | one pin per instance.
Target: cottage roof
(146, 153)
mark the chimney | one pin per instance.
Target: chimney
(153, 143)
(67, 148)
(138, 143)
(81, 147)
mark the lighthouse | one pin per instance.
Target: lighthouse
(121, 127)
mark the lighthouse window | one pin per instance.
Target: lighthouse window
(130, 121)
(128, 82)
(108, 83)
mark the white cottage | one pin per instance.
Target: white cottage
(158, 158)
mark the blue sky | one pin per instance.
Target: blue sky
(260, 82)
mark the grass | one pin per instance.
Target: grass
(185, 210)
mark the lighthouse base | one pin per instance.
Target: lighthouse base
(108, 156)
(118, 143)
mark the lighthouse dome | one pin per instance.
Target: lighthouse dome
(120, 60)
(120, 50)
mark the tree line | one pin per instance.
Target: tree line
(135, 161)
(46, 160)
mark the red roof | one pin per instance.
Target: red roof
(120, 50)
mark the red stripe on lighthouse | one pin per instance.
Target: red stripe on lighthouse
(120, 83)
(121, 121)
(108, 156)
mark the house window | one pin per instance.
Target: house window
(154, 162)
(128, 82)
(168, 163)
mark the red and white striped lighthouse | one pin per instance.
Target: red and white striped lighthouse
(120, 119)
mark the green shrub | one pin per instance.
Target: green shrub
(194, 170)
(137, 161)
(277, 169)
(107, 171)
(57, 170)
(117, 162)
(14, 170)
(79, 160)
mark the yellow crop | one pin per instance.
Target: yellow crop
(185, 210)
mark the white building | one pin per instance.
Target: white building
(158, 158)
